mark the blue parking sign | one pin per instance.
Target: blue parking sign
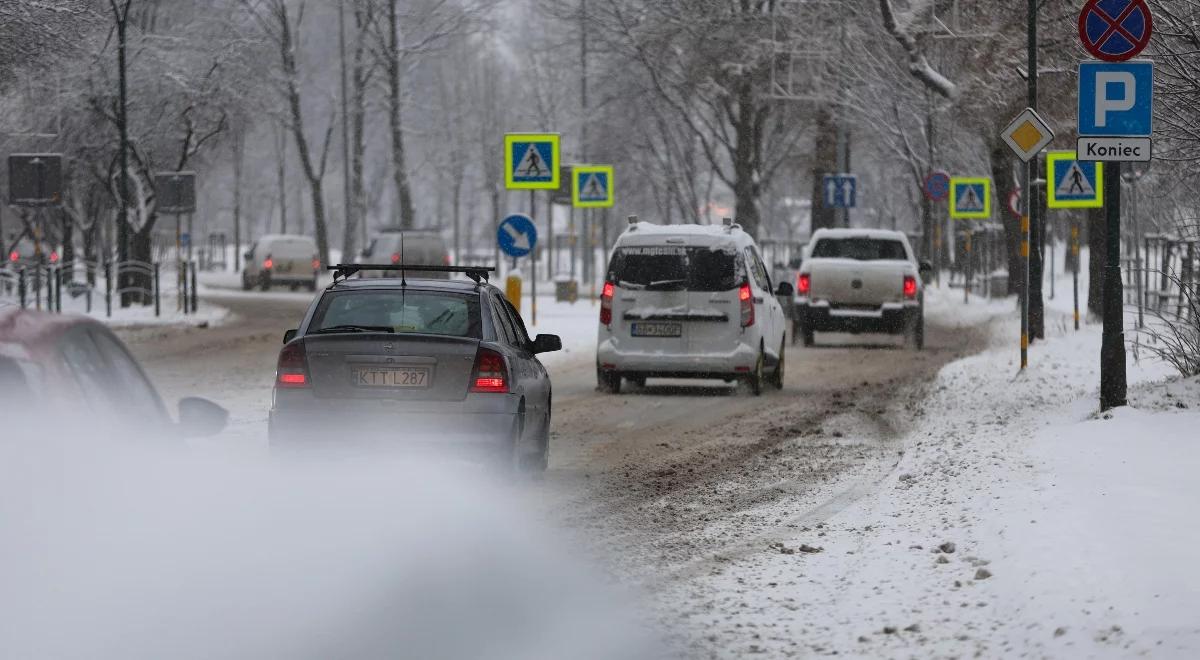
(1116, 99)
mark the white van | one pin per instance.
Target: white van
(689, 301)
(394, 246)
(281, 259)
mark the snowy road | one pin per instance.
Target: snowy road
(666, 483)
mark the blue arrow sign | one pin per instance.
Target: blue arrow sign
(517, 235)
(1116, 99)
(841, 191)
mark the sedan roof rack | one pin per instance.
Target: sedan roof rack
(476, 273)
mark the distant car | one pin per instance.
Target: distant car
(860, 280)
(689, 301)
(24, 254)
(415, 361)
(395, 246)
(56, 365)
(288, 260)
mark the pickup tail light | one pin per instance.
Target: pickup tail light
(910, 287)
(292, 370)
(316, 263)
(268, 263)
(490, 376)
(746, 298)
(804, 283)
(395, 258)
(606, 303)
(14, 256)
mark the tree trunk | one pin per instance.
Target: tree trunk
(281, 174)
(238, 152)
(399, 169)
(825, 158)
(1097, 236)
(1000, 159)
(747, 184)
(358, 95)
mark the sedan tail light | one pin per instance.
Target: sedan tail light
(804, 284)
(14, 256)
(910, 286)
(316, 263)
(268, 263)
(746, 297)
(490, 376)
(395, 257)
(292, 371)
(606, 303)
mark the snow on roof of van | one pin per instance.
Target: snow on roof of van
(859, 233)
(706, 233)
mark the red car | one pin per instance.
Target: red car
(54, 366)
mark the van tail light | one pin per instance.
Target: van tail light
(292, 370)
(490, 376)
(268, 263)
(316, 263)
(14, 256)
(446, 259)
(804, 283)
(54, 256)
(746, 297)
(606, 303)
(395, 257)
(910, 286)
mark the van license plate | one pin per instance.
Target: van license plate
(657, 330)
(403, 377)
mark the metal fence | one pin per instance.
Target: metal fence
(137, 282)
(1161, 272)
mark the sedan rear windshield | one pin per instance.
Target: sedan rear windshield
(675, 268)
(398, 311)
(861, 249)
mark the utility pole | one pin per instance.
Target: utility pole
(347, 205)
(1112, 346)
(1036, 328)
(588, 217)
(121, 14)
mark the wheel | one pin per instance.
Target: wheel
(777, 375)
(914, 335)
(312, 286)
(608, 382)
(637, 381)
(264, 282)
(795, 331)
(757, 379)
(534, 464)
(245, 283)
(806, 334)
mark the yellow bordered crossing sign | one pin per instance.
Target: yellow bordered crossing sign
(970, 197)
(531, 161)
(1074, 184)
(592, 187)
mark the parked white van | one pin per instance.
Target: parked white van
(689, 301)
(281, 259)
(416, 247)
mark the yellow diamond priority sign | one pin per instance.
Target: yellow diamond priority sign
(1027, 135)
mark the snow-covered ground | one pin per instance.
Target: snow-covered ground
(1017, 522)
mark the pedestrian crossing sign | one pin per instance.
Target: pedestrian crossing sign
(592, 187)
(1074, 184)
(531, 161)
(970, 197)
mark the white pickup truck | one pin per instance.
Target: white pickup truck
(860, 280)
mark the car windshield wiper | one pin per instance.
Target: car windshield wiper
(355, 328)
(658, 283)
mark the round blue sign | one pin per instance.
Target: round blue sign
(517, 235)
(937, 186)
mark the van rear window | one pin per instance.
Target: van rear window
(675, 268)
(861, 249)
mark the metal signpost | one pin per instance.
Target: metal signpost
(517, 237)
(937, 189)
(841, 191)
(1027, 135)
(1116, 100)
(937, 186)
(531, 162)
(593, 187)
(176, 195)
(1073, 184)
(970, 198)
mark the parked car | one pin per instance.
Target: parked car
(689, 301)
(24, 254)
(415, 361)
(860, 280)
(281, 260)
(396, 246)
(55, 365)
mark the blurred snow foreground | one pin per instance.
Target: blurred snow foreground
(117, 552)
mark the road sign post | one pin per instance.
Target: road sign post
(593, 186)
(841, 191)
(517, 237)
(1116, 109)
(531, 162)
(970, 198)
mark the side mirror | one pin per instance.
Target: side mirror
(925, 270)
(199, 418)
(364, 253)
(785, 289)
(289, 335)
(546, 344)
